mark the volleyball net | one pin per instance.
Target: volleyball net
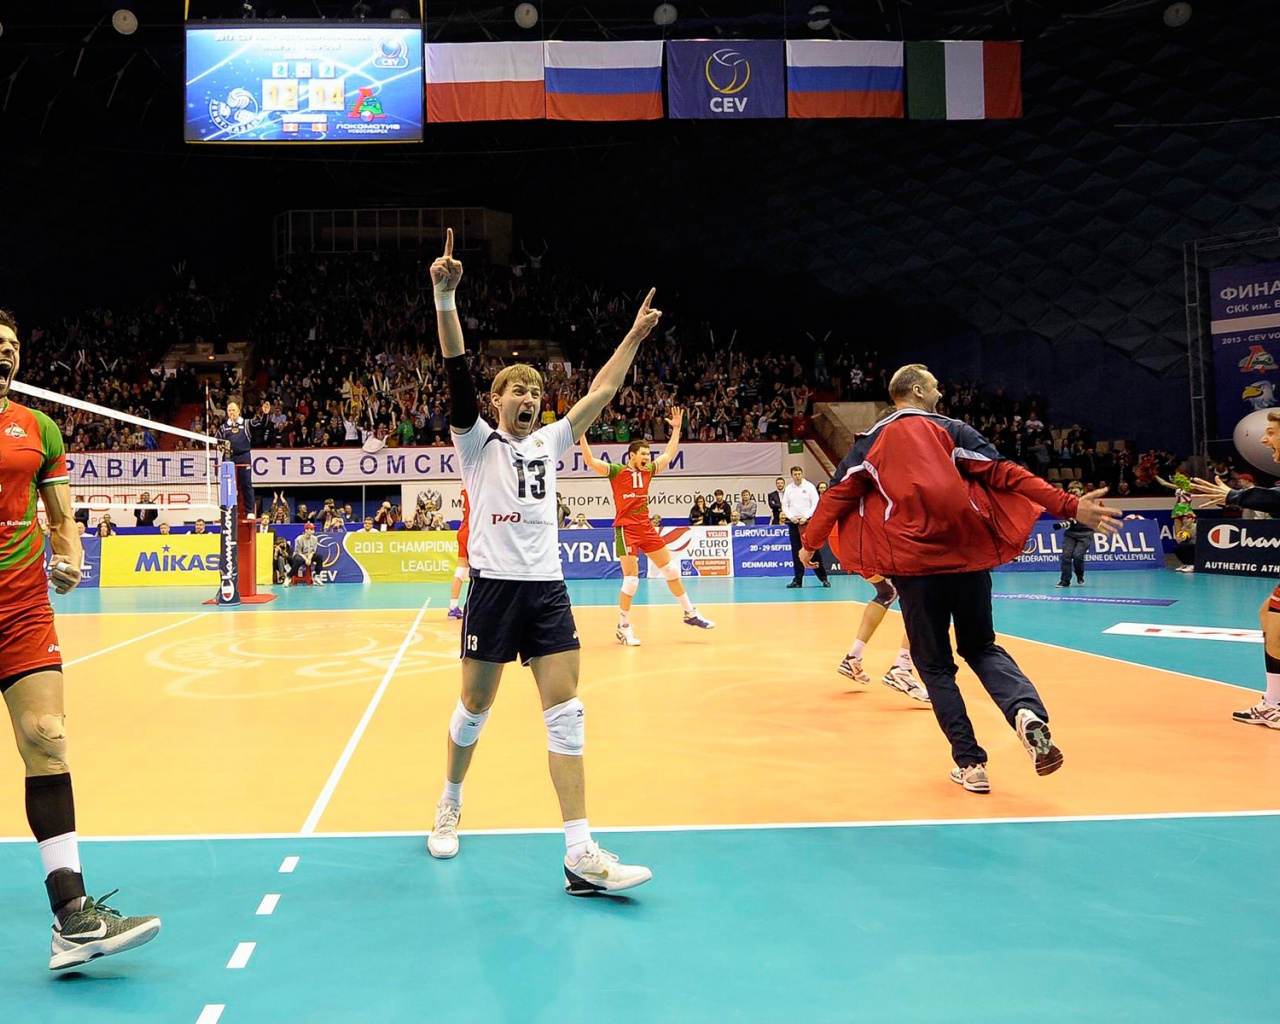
(152, 465)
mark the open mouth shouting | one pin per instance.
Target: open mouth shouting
(7, 366)
(524, 418)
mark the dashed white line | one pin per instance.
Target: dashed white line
(288, 864)
(211, 1014)
(240, 958)
(268, 904)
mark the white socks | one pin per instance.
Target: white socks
(904, 659)
(1273, 689)
(60, 852)
(452, 793)
(855, 652)
(685, 603)
(577, 837)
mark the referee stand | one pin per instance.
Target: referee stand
(239, 551)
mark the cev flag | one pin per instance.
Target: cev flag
(712, 79)
(613, 81)
(485, 82)
(842, 78)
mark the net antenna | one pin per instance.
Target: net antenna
(183, 484)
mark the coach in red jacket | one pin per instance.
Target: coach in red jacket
(929, 501)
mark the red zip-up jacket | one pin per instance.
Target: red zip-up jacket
(920, 494)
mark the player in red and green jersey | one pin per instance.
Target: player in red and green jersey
(633, 532)
(33, 466)
(463, 569)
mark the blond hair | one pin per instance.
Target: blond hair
(1273, 415)
(516, 373)
(905, 378)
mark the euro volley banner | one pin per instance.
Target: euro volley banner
(762, 551)
(707, 79)
(1136, 546)
(1245, 325)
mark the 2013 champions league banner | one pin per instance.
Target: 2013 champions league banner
(1245, 326)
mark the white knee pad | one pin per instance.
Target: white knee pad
(670, 571)
(630, 584)
(464, 727)
(566, 730)
(461, 573)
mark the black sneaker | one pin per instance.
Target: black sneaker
(827, 584)
(1061, 586)
(793, 585)
(97, 930)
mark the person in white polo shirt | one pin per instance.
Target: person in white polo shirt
(799, 499)
(518, 606)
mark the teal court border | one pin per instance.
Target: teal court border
(1143, 919)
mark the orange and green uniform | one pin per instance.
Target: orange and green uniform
(632, 531)
(464, 527)
(31, 456)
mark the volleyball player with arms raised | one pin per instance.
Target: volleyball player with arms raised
(518, 606)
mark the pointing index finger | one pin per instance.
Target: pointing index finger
(644, 306)
(448, 243)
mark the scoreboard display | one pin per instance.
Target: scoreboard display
(303, 82)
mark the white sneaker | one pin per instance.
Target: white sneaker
(626, 636)
(852, 668)
(1034, 733)
(1261, 713)
(599, 870)
(904, 679)
(442, 843)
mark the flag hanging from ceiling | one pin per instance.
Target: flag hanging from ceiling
(712, 78)
(613, 81)
(485, 82)
(969, 80)
(844, 78)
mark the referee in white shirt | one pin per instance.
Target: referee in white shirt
(799, 499)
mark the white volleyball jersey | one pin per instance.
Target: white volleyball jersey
(512, 486)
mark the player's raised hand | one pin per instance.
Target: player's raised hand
(1095, 515)
(446, 272)
(1216, 492)
(646, 319)
(676, 418)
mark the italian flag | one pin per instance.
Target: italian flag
(970, 80)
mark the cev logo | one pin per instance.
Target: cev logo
(728, 73)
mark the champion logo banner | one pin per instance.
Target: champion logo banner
(843, 78)
(712, 79)
(485, 82)
(593, 81)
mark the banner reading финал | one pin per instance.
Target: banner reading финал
(1244, 307)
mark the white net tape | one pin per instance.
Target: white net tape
(181, 483)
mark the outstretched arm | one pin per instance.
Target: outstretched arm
(464, 405)
(599, 465)
(673, 445)
(606, 383)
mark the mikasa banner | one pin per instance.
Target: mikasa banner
(304, 466)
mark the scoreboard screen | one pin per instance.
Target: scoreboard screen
(304, 82)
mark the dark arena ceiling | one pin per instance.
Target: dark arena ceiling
(1067, 226)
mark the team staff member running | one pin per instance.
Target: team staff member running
(632, 530)
(33, 464)
(518, 606)
(929, 502)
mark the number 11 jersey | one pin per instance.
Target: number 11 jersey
(512, 486)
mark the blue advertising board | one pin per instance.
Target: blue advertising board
(1136, 546)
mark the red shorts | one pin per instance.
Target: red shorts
(28, 641)
(464, 534)
(1273, 605)
(630, 539)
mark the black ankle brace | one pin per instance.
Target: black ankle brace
(63, 886)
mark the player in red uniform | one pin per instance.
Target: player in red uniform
(33, 466)
(464, 567)
(633, 532)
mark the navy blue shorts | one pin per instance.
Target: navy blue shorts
(509, 619)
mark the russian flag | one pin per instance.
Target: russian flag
(603, 81)
(844, 78)
(485, 82)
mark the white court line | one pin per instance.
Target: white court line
(741, 827)
(288, 864)
(240, 958)
(326, 794)
(134, 640)
(268, 905)
(211, 1014)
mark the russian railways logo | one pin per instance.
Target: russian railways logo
(1228, 535)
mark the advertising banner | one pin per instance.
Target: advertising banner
(176, 560)
(701, 550)
(762, 551)
(1238, 547)
(1244, 307)
(90, 567)
(403, 556)
(588, 555)
(1136, 546)
(128, 474)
